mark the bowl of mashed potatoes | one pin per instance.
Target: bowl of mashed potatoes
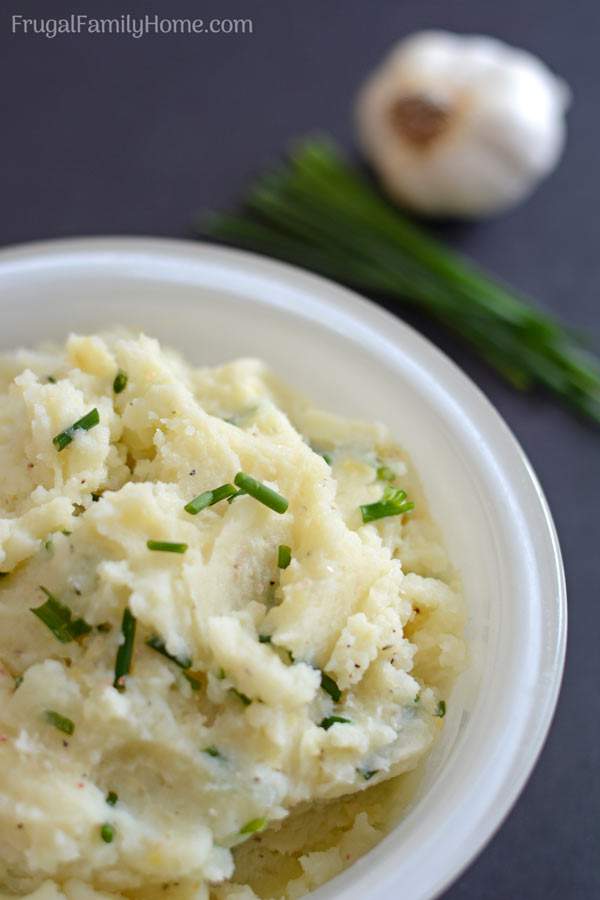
(273, 579)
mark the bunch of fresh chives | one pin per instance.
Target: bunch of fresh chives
(318, 212)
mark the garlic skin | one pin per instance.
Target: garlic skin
(461, 125)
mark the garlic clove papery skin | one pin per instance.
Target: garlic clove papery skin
(461, 125)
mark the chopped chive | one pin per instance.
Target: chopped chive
(61, 722)
(327, 457)
(253, 826)
(284, 556)
(328, 721)
(237, 494)
(367, 774)
(212, 751)
(111, 798)
(264, 638)
(104, 627)
(107, 833)
(393, 503)
(384, 473)
(58, 618)
(221, 674)
(18, 681)
(193, 682)
(87, 422)
(245, 700)
(96, 497)
(330, 687)
(441, 709)
(184, 662)
(166, 546)
(261, 492)
(125, 651)
(66, 533)
(51, 379)
(209, 498)
(120, 382)
(49, 545)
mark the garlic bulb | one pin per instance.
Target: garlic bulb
(461, 125)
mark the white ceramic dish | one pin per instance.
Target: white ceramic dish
(350, 356)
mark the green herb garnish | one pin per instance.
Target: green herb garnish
(18, 681)
(166, 546)
(51, 379)
(393, 503)
(209, 498)
(111, 798)
(125, 651)
(87, 422)
(212, 751)
(193, 682)
(221, 674)
(107, 833)
(184, 662)
(245, 700)
(253, 826)
(261, 492)
(441, 709)
(319, 212)
(367, 774)
(284, 556)
(264, 638)
(67, 726)
(328, 721)
(104, 627)
(59, 619)
(330, 687)
(120, 382)
(384, 473)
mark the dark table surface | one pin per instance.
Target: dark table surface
(113, 135)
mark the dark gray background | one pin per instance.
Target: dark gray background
(111, 135)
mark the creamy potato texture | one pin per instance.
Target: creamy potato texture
(254, 691)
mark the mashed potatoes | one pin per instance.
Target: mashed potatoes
(174, 682)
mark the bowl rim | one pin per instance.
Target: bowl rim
(36, 255)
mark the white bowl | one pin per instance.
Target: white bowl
(352, 357)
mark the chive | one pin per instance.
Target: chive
(264, 638)
(125, 651)
(87, 422)
(58, 618)
(261, 492)
(328, 721)
(66, 533)
(245, 700)
(166, 546)
(318, 211)
(107, 833)
(284, 556)
(61, 722)
(393, 503)
(111, 798)
(330, 687)
(212, 751)
(18, 681)
(441, 709)
(237, 494)
(104, 627)
(221, 674)
(96, 497)
(49, 545)
(327, 457)
(253, 826)
(51, 379)
(209, 498)
(193, 683)
(367, 774)
(384, 473)
(184, 662)
(120, 382)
